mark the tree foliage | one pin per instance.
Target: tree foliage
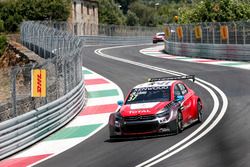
(110, 13)
(132, 19)
(13, 12)
(147, 15)
(3, 44)
(216, 11)
(124, 4)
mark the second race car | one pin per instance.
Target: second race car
(162, 105)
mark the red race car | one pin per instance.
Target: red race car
(162, 105)
(159, 37)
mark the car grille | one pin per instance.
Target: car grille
(140, 118)
(137, 128)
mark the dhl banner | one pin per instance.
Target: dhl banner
(224, 32)
(198, 32)
(38, 83)
(179, 32)
(167, 32)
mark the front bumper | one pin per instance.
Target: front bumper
(136, 128)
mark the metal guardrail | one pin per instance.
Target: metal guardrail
(62, 53)
(23, 131)
(212, 51)
(116, 39)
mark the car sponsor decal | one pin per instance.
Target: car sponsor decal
(143, 105)
(102, 97)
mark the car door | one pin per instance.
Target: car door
(177, 92)
(187, 102)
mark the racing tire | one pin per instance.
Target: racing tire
(154, 42)
(179, 123)
(199, 110)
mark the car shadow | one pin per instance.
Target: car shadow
(135, 138)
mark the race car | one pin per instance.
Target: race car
(159, 106)
(159, 37)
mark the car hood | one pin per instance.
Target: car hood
(150, 108)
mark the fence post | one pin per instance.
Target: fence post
(13, 91)
(235, 33)
(191, 33)
(244, 34)
(64, 75)
(213, 33)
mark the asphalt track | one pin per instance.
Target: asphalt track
(227, 144)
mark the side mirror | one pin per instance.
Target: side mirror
(120, 102)
(179, 98)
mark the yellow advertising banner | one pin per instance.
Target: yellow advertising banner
(224, 32)
(167, 32)
(38, 83)
(198, 32)
(179, 32)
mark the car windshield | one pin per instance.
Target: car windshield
(149, 94)
(161, 35)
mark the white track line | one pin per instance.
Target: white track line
(200, 82)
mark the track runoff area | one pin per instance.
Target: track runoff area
(220, 104)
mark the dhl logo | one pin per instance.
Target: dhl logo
(38, 86)
(39, 83)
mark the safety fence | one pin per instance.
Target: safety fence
(87, 29)
(34, 118)
(61, 53)
(213, 33)
(227, 41)
(119, 40)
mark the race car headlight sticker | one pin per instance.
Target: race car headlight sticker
(118, 116)
(163, 113)
(118, 119)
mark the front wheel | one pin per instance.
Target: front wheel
(199, 110)
(179, 123)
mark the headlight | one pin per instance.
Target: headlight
(118, 116)
(118, 119)
(165, 112)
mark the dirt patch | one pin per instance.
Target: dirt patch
(10, 60)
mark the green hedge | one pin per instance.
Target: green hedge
(3, 44)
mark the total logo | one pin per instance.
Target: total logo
(139, 111)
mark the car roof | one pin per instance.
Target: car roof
(155, 84)
(159, 33)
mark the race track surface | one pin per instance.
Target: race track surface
(227, 144)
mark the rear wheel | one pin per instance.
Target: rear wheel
(179, 123)
(199, 109)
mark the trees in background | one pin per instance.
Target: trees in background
(127, 12)
(13, 12)
(216, 11)
(146, 14)
(158, 12)
(132, 19)
(110, 13)
(3, 44)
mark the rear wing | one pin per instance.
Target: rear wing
(183, 77)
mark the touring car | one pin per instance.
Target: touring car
(159, 37)
(159, 106)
